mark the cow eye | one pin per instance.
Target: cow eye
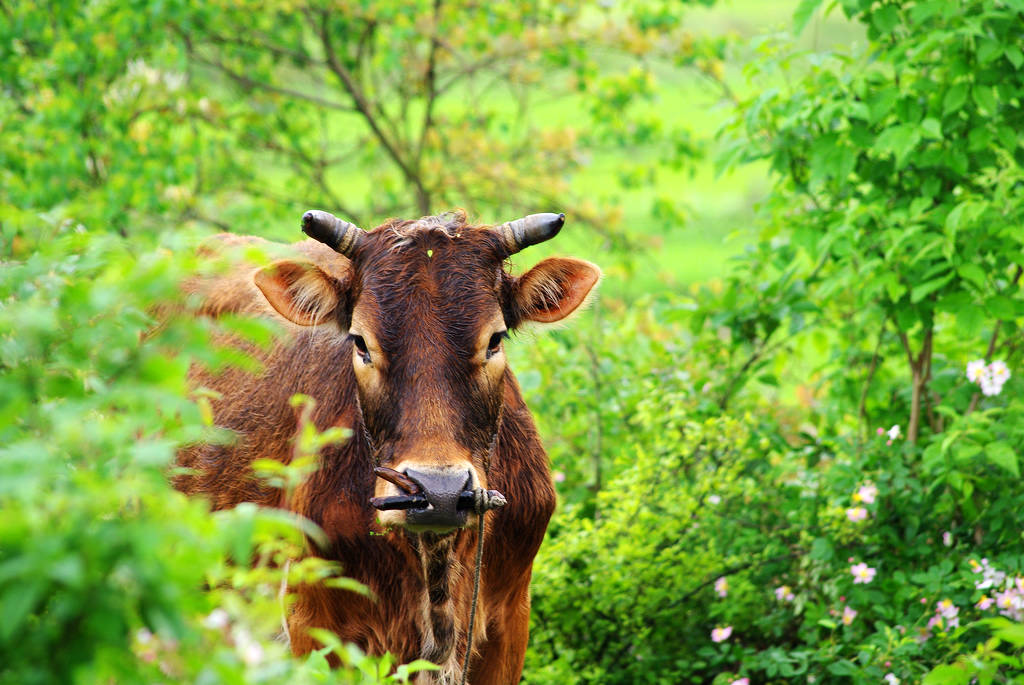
(494, 345)
(360, 345)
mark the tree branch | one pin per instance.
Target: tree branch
(875, 358)
(364, 107)
(431, 84)
(253, 84)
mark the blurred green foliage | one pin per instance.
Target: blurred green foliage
(721, 454)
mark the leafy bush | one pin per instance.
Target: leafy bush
(102, 564)
(866, 528)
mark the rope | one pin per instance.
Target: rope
(483, 503)
(281, 595)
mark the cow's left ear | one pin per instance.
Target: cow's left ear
(552, 290)
(300, 291)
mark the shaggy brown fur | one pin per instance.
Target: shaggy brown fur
(425, 294)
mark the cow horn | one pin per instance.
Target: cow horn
(530, 230)
(340, 236)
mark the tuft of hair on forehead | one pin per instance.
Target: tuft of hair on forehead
(452, 223)
(395, 234)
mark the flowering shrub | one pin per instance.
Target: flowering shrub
(818, 394)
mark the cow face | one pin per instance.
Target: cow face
(425, 309)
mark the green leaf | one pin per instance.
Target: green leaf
(947, 675)
(970, 320)
(989, 50)
(344, 583)
(885, 19)
(973, 273)
(1007, 630)
(1003, 456)
(1001, 307)
(985, 98)
(955, 98)
(804, 12)
(899, 140)
(932, 127)
(919, 292)
(1014, 54)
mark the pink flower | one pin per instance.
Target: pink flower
(856, 514)
(947, 539)
(848, 615)
(741, 681)
(784, 594)
(722, 586)
(559, 477)
(984, 603)
(881, 431)
(947, 616)
(721, 634)
(862, 573)
(866, 494)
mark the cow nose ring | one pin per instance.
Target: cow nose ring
(477, 500)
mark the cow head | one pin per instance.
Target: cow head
(425, 308)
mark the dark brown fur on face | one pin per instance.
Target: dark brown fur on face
(425, 295)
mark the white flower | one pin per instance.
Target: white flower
(217, 619)
(891, 679)
(947, 539)
(714, 499)
(999, 372)
(174, 80)
(989, 388)
(893, 432)
(976, 370)
(252, 653)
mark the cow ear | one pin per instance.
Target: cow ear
(299, 290)
(553, 289)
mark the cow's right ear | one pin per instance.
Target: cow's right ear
(300, 291)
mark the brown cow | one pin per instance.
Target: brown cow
(399, 335)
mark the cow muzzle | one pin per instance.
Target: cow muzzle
(436, 499)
